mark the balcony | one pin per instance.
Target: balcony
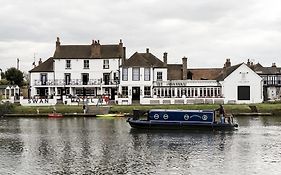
(62, 82)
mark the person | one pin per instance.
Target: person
(221, 113)
(84, 109)
(54, 109)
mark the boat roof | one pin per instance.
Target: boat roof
(179, 110)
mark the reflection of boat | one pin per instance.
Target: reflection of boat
(106, 115)
(179, 119)
(110, 115)
(55, 115)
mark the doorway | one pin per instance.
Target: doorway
(135, 93)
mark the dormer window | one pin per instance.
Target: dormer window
(67, 64)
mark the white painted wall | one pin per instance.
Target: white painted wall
(77, 68)
(141, 83)
(235, 79)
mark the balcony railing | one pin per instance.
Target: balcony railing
(186, 83)
(62, 82)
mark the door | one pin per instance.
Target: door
(106, 78)
(67, 78)
(85, 79)
(136, 93)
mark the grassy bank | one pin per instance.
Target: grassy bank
(264, 108)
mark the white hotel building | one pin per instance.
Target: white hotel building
(78, 70)
(92, 71)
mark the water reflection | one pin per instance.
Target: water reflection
(96, 146)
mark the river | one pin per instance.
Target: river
(109, 146)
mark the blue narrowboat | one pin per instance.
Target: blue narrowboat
(180, 119)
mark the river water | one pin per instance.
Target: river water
(109, 146)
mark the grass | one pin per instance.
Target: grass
(263, 107)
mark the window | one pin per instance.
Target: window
(67, 78)
(44, 79)
(86, 64)
(159, 76)
(106, 64)
(146, 74)
(278, 79)
(243, 92)
(68, 64)
(147, 91)
(136, 74)
(125, 90)
(125, 74)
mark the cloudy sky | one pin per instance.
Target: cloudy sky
(205, 31)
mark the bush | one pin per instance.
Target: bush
(6, 108)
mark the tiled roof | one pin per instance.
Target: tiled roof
(73, 51)
(143, 60)
(84, 51)
(259, 69)
(175, 72)
(46, 66)
(205, 73)
(227, 71)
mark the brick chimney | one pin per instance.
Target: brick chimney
(58, 42)
(40, 61)
(165, 57)
(184, 68)
(147, 50)
(95, 49)
(227, 63)
(122, 51)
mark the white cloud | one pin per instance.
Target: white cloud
(206, 31)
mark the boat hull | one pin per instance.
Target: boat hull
(179, 125)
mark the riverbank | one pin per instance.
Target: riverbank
(275, 109)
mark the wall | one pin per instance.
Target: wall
(77, 68)
(242, 76)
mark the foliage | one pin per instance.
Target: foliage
(4, 82)
(6, 108)
(14, 76)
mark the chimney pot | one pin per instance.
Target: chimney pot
(273, 65)
(147, 50)
(165, 57)
(58, 42)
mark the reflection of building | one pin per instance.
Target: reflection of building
(271, 80)
(78, 70)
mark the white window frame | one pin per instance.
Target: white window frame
(67, 64)
(159, 76)
(86, 64)
(125, 74)
(136, 74)
(146, 74)
(105, 64)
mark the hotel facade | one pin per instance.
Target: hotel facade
(102, 73)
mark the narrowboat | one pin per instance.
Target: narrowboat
(180, 119)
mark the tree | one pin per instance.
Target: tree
(14, 76)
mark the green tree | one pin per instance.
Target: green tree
(14, 76)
